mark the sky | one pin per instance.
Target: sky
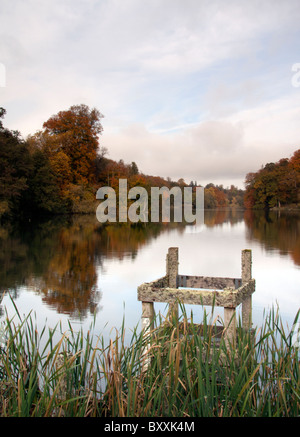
(202, 90)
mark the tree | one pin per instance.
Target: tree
(275, 184)
(2, 114)
(134, 169)
(295, 161)
(181, 183)
(210, 200)
(76, 132)
(295, 166)
(42, 195)
(15, 168)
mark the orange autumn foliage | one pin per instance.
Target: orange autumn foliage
(77, 131)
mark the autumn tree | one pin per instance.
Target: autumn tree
(76, 133)
(59, 161)
(294, 164)
(274, 185)
(210, 200)
(295, 161)
(249, 196)
(215, 196)
(28, 185)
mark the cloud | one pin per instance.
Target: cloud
(193, 89)
(220, 151)
(203, 153)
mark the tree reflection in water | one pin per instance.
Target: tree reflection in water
(62, 259)
(275, 230)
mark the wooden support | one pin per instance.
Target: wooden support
(247, 300)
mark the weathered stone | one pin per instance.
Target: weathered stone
(147, 326)
(246, 265)
(172, 266)
(147, 310)
(246, 278)
(229, 298)
(230, 326)
(171, 275)
(161, 282)
(207, 282)
(202, 290)
(63, 363)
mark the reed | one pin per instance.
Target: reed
(191, 373)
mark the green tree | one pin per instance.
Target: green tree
(42, 195)
(15, 168)
(134, 169)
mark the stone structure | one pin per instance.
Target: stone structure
(201, 290)
(63, 363)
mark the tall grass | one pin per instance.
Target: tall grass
(190, 374)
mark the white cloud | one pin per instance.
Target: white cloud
(217, 151)
(198, 89)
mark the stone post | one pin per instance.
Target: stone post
(63, 364)
(247, 301)
(230, 327)
(172, 273)
(147, 326)
(147, 316)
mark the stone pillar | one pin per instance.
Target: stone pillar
(247, 301)
(230, 327)
(63, 364)
(147, 316)
(147, 326)
(172, 273)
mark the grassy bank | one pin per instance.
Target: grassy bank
(188, 375)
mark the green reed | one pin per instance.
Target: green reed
(191, 373)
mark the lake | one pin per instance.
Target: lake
(71, 269)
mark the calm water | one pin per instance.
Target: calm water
(70, 270)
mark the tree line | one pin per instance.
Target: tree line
(58, 169)
(275, 184)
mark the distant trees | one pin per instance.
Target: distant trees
(275, 184)
(59, 169)
(216, 196)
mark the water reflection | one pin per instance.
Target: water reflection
(57, 259)
(62, 260)
(219, 217)
(275, 230)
